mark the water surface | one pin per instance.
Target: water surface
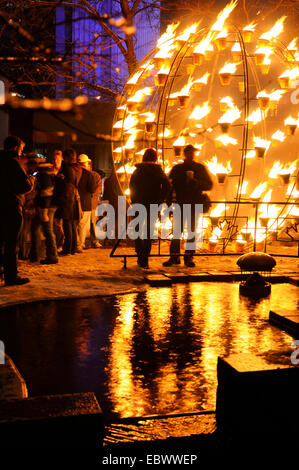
(150, 352)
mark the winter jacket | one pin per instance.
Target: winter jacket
(44, 188)
(148, 184)
(99, 190)
(65, 191)
(87, 186)
(190, 190)
(14, 182)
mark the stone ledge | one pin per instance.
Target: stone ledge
(12, 384)
(286, 320)
(56, 421)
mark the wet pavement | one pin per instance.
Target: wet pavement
(149, 352)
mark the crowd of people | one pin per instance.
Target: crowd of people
(47, 207)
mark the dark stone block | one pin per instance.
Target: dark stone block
(221, 276)
(158, 280)
(56, 421)
(294, 280)
(286, 320)
(180, 277)
(255, 395)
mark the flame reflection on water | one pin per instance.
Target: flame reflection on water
(150, 352)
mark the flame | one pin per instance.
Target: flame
(294, 211)
(168, 35)
(150, 117)
(292, 46)
(255, 117)
(292, 191)
(185, 91)
(250, 154)
(179, 142)
(126, 124)
(250, 27)
(200, 111)
(147, 66)
(164, 70)
(222, 34)
(228, 68)
(258, 191)
(203, 80)
(265, 51)
(275, 31)
(242, 189)
(204, 45)
(165, 52)
(118, 125)
(216, 234)
(288, 168)
(140, 94)
(262, 94)
(290, 121)
(269, 211)
(215, 167)
(129, 122)
(165, 133)
(276, 95)
(228, 101)
(236, 47)
(292, 74)
(218, 210)
(186, 34)
(134, 79)
(278, 135)
(117, 150)
(240, 240)
(223, 15)
(131, 142)
(225, 139)
(129, 169)
(261, 143)
(230, 116)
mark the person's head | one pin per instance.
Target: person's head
(56, 159)
(150, 156)
(189, 152)
(12, 142)
(84, 161)
(70, 155)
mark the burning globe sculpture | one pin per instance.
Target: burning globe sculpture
(229, 92)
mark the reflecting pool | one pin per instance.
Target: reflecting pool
(149, 352)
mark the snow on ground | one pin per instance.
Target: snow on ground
(94, 273)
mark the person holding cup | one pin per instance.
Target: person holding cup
(189, 179)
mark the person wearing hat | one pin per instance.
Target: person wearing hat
(87, 187)
(189, 179)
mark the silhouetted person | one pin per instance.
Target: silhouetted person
(188, 180)
(67, 197)
(14, 184)
(87, 187)
(148, 185)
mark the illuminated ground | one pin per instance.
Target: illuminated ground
(94, 273)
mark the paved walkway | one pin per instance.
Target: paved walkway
(94, 273)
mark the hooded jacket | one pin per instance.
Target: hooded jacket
(14, 182)
(65, 190)
(149, 184)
